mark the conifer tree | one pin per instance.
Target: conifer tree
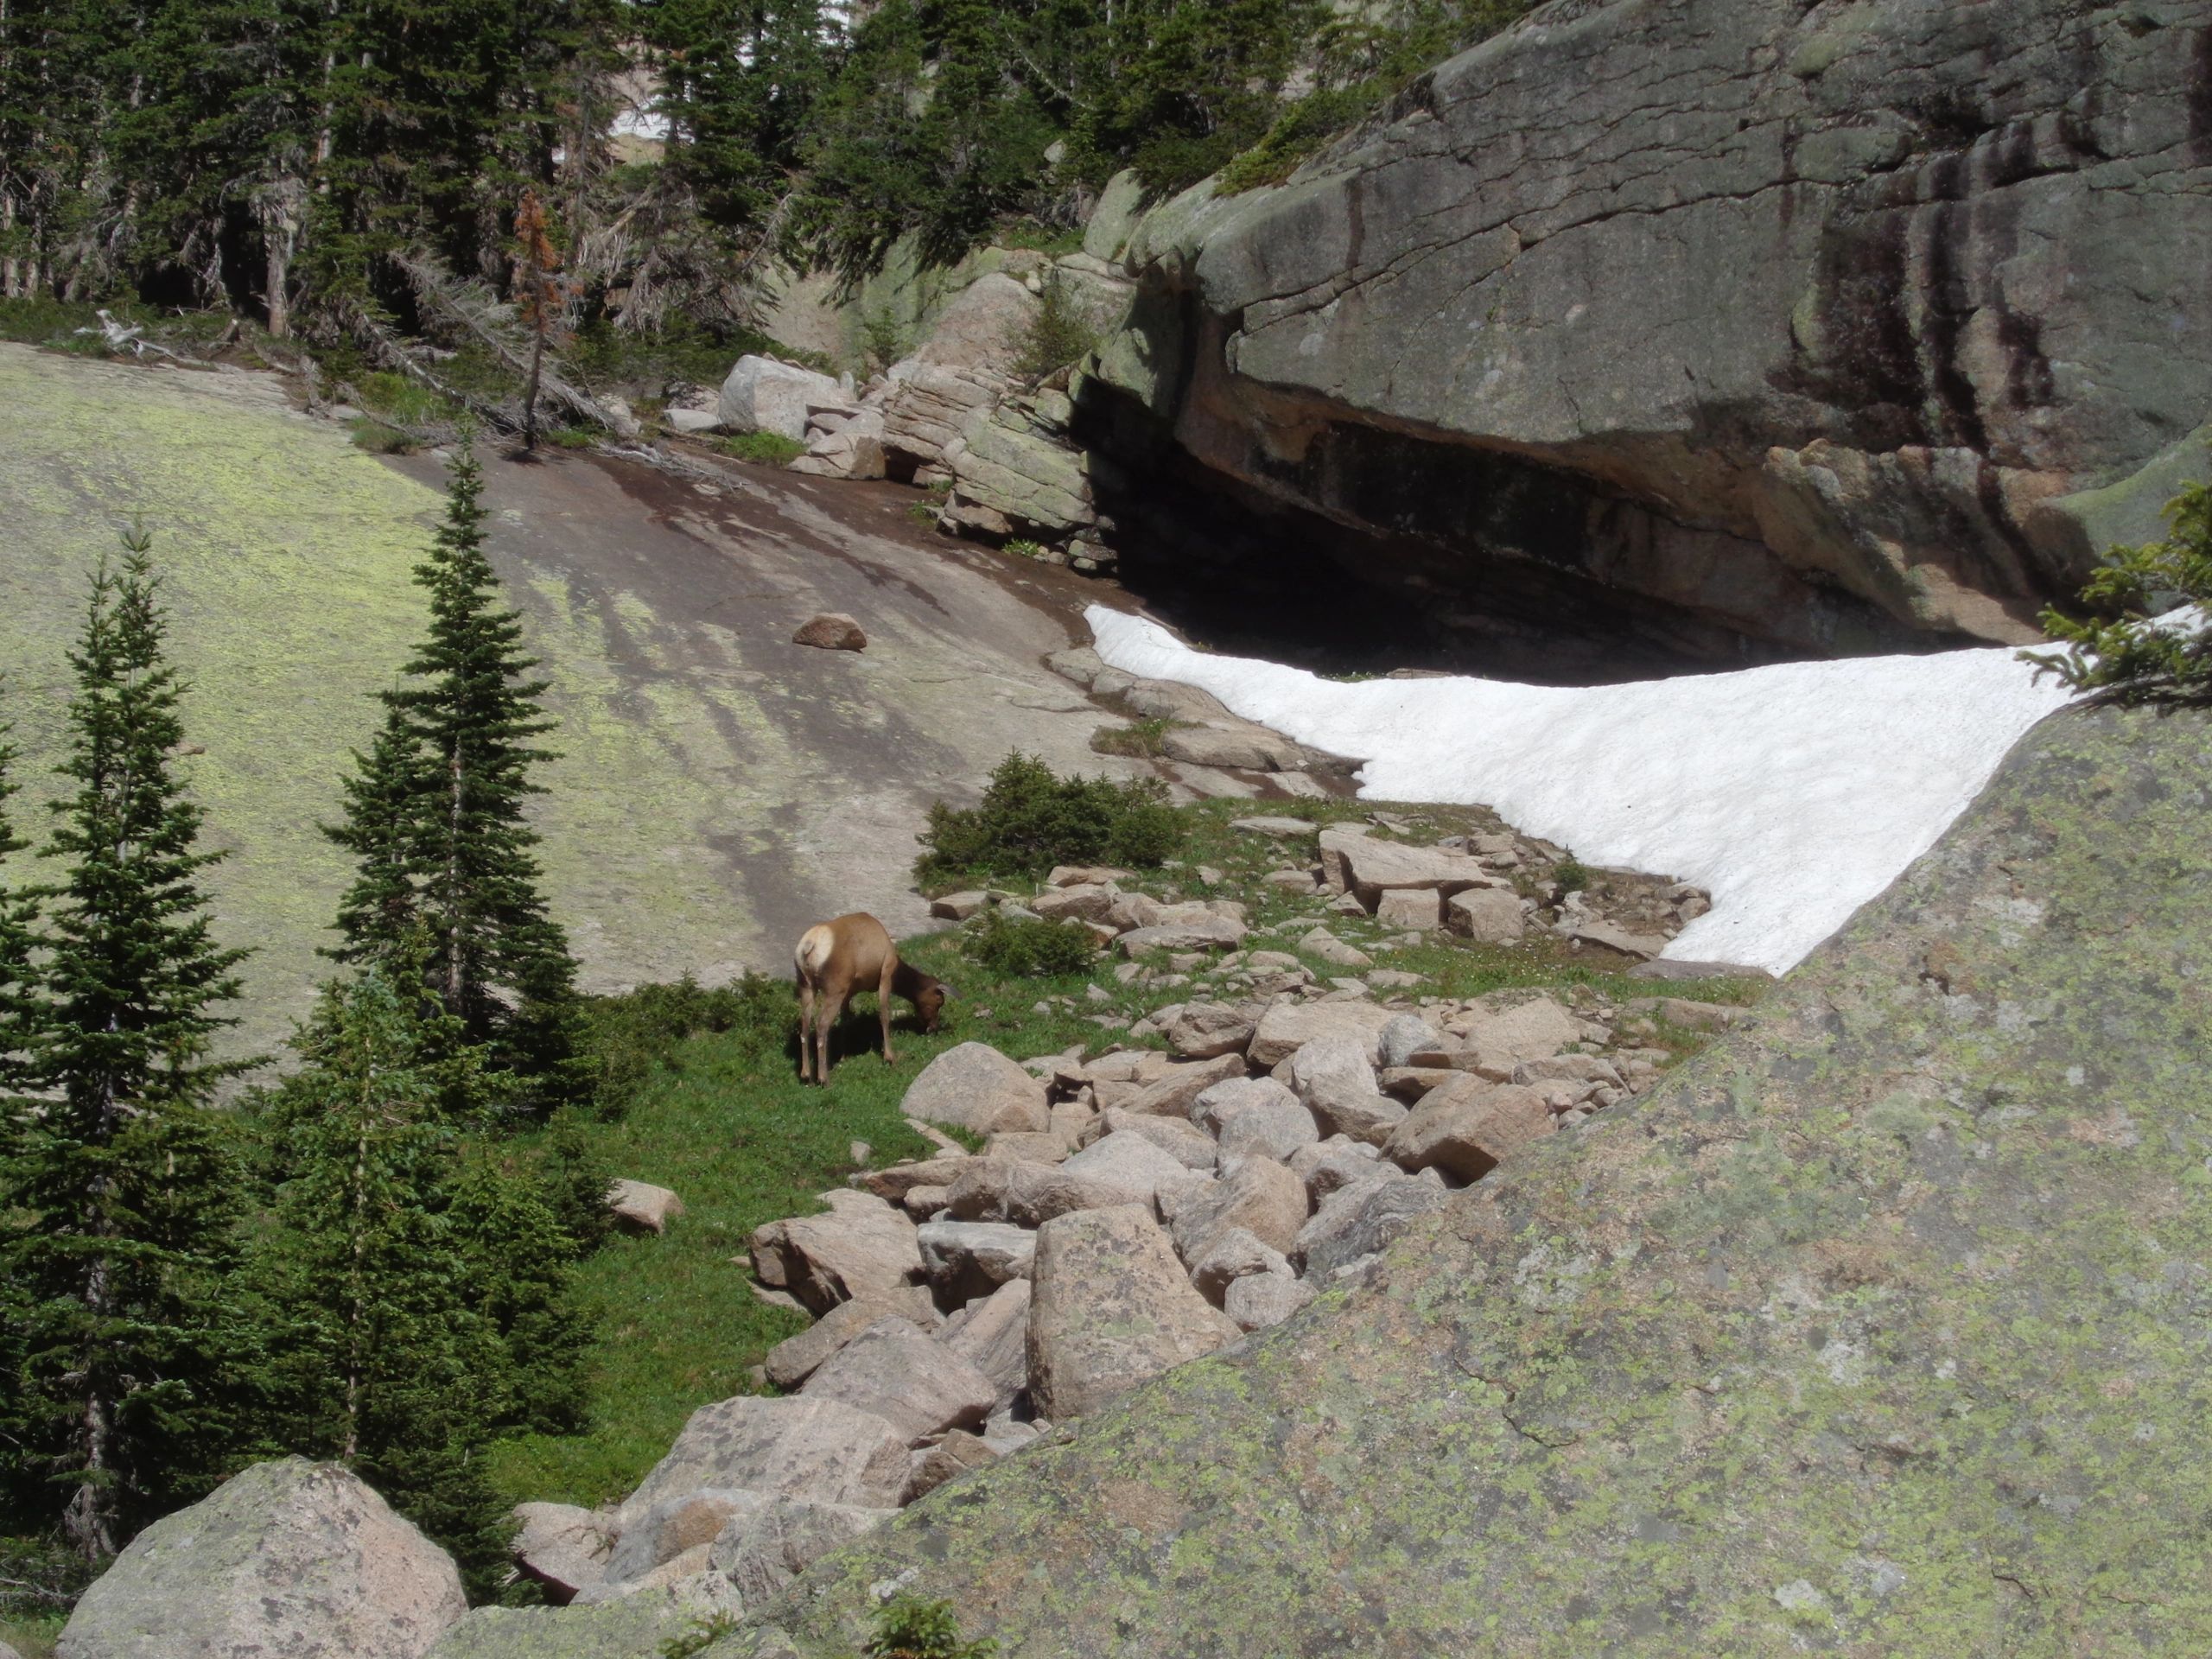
(413, 1297)
(18, 943)
(118, 1187)
(439, 802)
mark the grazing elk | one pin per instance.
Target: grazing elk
(834, 960)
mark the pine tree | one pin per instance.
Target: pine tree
(19, 922)
(424, 1306)
(379, 910)
(120, 1180)
(434, 818)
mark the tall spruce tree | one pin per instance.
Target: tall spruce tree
(435, 818)
(422, 1305)
(120, 1223)
(18, 947)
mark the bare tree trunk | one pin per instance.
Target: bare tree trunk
(281, 205)
(89, 1519)
(530, 391)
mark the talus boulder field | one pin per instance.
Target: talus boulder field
(1881, 1327)
(1814, 327)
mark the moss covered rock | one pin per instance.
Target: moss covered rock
(1882, 1329)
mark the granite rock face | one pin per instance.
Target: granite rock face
(1815, 327)
(1880, 1327)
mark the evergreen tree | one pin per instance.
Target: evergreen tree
(435, 818)
(423, 1306)
(18, 945)
(118, 1185)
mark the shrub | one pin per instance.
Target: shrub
(1571, 874)
(1055, 336)
(907, 1627)
(1023, 547)
(2138, 652)
(1029, 949)
(924, 513)
(1029, 820)
(770, 449)
(381, 440)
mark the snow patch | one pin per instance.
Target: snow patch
(1793, 793)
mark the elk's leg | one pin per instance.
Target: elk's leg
(883, 1010)
(825, 1030)
(806, 1032)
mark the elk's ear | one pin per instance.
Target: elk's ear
(947, 990)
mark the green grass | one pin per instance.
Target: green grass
(1145, 738)
(734, 1133)
(770, 448)
(729, 1128)
(34, 1638)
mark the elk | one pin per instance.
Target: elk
(834, 960)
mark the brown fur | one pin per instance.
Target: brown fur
(835, 959)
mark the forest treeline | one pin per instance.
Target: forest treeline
(317, 164)
(370, 1258)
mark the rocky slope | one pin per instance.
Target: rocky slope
(1881, 1328)
(1730, 326)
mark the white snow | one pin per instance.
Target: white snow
(1794, 794)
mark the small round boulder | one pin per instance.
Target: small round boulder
(831, 631)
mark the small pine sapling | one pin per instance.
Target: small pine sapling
(2149, 638)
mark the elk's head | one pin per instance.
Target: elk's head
(930, 1001)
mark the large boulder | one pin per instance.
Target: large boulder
(1533, 1030)
(766, 1544)
(792, 1361)
(1110, 1306)
(974, 1087)
(1288, 1027)
(992, 1334)
(1333, 1077)
(762, 395)
(1369, 867)
(1884, 1312)
(561, 1546)
(287, 1557)
(636, 1624)
(1359, 1219)
(1256, 1194)
(1880, 372)
(897, 1372)
(810, 1448)
(862, 1248)
(1466, 1128)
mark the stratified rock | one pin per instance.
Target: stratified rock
(762, 395)
(1110, 1307)
(1837, 408)
(643, 1207)
(1288, 1027)
(1177, 1088)
(1255, 1115)
(287, 1557)
(863, 1247)
(561, 1546)
(792, 1361)
(1371, 867)
(1126, 1163)
(917, 1384)
(1199, 933)
(831, 631)
(1468, 1127)
(1416, 907)
(972, 1086)
(810, 1448)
